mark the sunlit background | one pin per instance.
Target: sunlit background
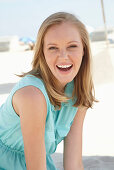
(23, 17)
(19, 24)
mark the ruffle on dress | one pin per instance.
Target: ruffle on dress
(11, 159)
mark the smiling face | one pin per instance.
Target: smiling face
(63, 51)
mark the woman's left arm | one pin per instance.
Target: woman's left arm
(72, 159)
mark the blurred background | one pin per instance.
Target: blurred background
(19, 24)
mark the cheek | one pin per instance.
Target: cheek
(50, 57)
(46, 55)
(77, 56)
(49, 60)
(77, 62)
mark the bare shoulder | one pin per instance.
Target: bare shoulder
(82, 110)
(79, 117)
(28, 97)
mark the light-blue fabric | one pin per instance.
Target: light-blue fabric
(58, 123)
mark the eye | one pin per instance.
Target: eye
(72, 46)
(52, 48)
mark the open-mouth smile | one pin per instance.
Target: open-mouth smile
(64, 67)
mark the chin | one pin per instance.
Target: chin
(65, 82)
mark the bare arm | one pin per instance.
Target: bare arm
(73, 143)
(30, 105)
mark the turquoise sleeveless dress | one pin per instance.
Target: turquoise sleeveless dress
(58, 123)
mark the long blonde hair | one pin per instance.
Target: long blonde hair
(83, 84)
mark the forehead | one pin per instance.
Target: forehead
(63, 31)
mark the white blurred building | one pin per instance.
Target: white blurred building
(99, 34)
(11, 43)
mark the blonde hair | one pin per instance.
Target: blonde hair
(83, 85)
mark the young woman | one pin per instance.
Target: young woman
(49, 103)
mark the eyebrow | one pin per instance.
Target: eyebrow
(73, 42)
(51, 44)
(68, 43)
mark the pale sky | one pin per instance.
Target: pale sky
(23, 17)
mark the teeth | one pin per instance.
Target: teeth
(64, 66)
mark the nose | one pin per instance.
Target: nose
(63, 53)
